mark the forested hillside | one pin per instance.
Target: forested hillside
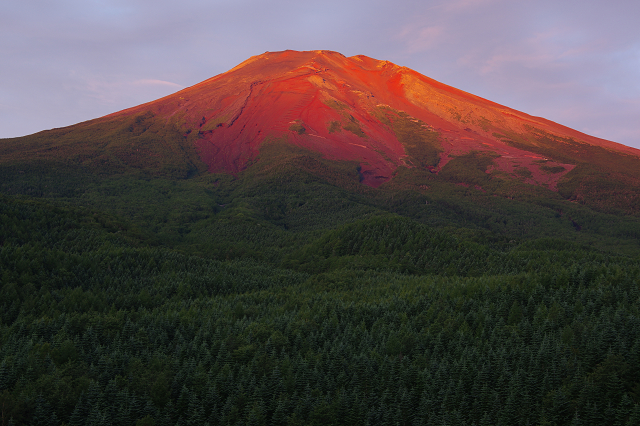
(291, 294)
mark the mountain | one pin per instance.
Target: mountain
(310, 239)
(357, 109)
(374, 113)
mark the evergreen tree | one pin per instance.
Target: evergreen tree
(624, 410)
(42, 414)
(634, 417)
(195, 413)
(576, 419)
(279, 417)
(79, 414)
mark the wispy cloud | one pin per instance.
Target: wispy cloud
(113, 91)
(465, 5)
(151, 82)
(420, 39)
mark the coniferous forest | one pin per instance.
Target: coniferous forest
(291, 294)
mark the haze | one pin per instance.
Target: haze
(576, 63)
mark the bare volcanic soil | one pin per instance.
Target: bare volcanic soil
(340, 107)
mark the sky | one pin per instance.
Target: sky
(573, 62)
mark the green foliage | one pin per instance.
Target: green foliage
(608, 192)
(337, 105)
(552, 169)
(603, 179)
(455, 114)
(169, 337)
(524, 172)
(352, 125)
(334, 126)
(349, 122)
(419, 140)
(469, 168)
(292, 294)
(141, 145)
(484, 123)
(298, 127)
(214, 122)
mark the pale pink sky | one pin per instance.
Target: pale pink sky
(573, 62)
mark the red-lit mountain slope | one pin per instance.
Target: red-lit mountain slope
(347, 108)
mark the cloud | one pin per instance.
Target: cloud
(420, 39)
(465, 5)
(150, 82)
(113, 90)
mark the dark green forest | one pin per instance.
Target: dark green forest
(291, 294)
